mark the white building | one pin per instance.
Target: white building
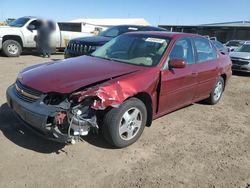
(92, 25)
(107, 22)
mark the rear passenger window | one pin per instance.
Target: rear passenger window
(183, 50)
(205, 51)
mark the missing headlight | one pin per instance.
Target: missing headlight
(54, 99)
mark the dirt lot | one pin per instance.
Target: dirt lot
(197, 146)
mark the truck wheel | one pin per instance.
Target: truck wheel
(216, 94)
(124, 125)
(12, 48)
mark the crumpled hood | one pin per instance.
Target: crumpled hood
(66, 76)
(94, 40)
(240, 55)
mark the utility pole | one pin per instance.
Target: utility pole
(159, 20)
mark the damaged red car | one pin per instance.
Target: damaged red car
(120, 88)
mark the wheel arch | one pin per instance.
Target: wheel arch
(13, 37)
(224, 76)
(147, 100)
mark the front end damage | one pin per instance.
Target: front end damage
(72, 120)
(64, 117)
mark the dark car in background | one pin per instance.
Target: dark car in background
(87, 45)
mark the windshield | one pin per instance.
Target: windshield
(20, 22)
(115, 31)
(134, 49)
(244, 48)
(233, 43)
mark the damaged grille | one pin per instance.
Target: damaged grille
(25, 93)
(79, 48)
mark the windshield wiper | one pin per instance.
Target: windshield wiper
(107, 58)
(110, 59)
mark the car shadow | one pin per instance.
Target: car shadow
(56, 59)
(203, 102)
(13, 129)
(36, 53)
(97, 141)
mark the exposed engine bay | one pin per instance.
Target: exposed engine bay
(73, 120)
(78, 113)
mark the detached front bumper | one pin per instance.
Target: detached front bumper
(35, 116)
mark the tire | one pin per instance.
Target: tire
(12, 48)
(217, 92)
(124, 125)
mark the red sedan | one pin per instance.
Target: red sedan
(121, 87)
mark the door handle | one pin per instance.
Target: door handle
(194, 74)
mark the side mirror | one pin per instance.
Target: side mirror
(177, 63)
(31, 27)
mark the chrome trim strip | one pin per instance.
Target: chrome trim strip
(24, 93)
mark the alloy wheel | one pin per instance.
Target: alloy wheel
(130, 123)
(12, 49)
(218, 90)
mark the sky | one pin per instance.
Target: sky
(185, 12)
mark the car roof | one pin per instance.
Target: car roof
(164, 34)
(142, 26)
(236, 41)
(30, 17)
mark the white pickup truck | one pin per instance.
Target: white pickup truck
(20, 34)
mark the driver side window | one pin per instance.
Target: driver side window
(183, 49)
(36, 23)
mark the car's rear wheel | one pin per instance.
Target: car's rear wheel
(216, 94)
(12, 48)
(124, 125)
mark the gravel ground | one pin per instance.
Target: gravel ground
(197, 146)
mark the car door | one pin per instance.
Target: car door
(30, 35)
(207, 66)
(178, 85)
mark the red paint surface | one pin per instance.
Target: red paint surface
(68, 75)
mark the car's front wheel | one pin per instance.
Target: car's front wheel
(12, 48)
(124, 125)
(217, 91)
